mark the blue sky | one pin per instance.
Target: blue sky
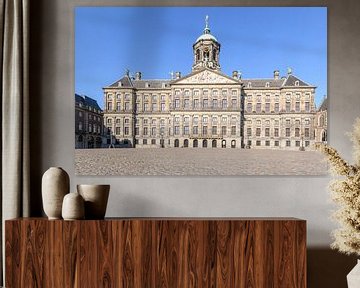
(158, 40)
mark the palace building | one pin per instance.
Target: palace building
(209, 109)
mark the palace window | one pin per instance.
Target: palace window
(276, 132)
(196, 92)
(127, 96)
(163, 107)
(177, 92)
(154, 98)
(248, 132)
(249, 85)
(297, 96)
(109, 121)
(153, 131)
(118, 121)
(215, 92)
(233, 103)
(154, 107)
(195, 130)
(258, 107)
(258, 122)
(276, 143)
(258, 98)
(205, 103)
(109, 96)
(186, 103)
(176, 130)
(153, 141)
(144, 141)
(126, 131)
(234, 92)
(224, 92)
(80, 126)
(233, 130)
(267, 84)
(287, 122)
(249, 97)
(215, 103)
(249, 107)
(214, 130)
(267, 98)
(146, 106)
(297, 122)
(288, 143)
(267, 143)
(205, 119)
(224, 104)
(137, 131)
(276, 107)
(177, 103)
(307, 106)
(145, 131)
(296, 83)
(146, 121)
(117, 131)
(258, 143)
(267, 122)
(297, 143)
(163, 97)
(287, 132)
(223, 130)
(196, 119)
(297, 132)
(297, 106)
(186, 119)
(187, 93)
(214, 119)
(204, 130)
(196, 103)
(288, 106)
(258, 131)
(109, 108)
(307, 132)
(307, 121)
(118, 106)
(224, 119)
(267, 132)
(186, 130)
(307, 143)
(267, 107)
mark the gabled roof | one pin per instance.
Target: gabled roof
(87, 101)
(291, 79)
(257, 83)
(193, 73)
(123, 82)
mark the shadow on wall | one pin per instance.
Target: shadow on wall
(328, 268)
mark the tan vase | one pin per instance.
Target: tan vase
(73, 207)
(55, 185)
(96, 198)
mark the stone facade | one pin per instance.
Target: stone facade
(209, 109)
(89, 119)
(321, 122)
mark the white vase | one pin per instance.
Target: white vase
(95, 197)
(73, 207)
(353, 278)
(55, 185)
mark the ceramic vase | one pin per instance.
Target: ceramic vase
(73, 207)
(353, 278)
(55, 185)
(96, 198)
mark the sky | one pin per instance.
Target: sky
(158, 40)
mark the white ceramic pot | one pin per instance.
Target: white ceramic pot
(55, 185)
(73, 207)
(96, 198)
(353, 278)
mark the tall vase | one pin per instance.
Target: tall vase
(55, 185)
(353, 278)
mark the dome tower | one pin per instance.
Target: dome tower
(206, 50)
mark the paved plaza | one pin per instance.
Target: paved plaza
(197, 161)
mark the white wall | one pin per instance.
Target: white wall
(52, 92)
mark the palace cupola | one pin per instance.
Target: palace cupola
(206, 50)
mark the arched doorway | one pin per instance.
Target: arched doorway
(213, 143)
(195, 143)
(186, 143)
(176, 143)
(204, 143)
(223, 144)
(233, 143)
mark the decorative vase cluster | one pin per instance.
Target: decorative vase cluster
(88, 202)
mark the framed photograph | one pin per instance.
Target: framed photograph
(200, 90)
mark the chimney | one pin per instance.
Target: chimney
(138, 76)
(235, 74)
(178, 75)
(276, 75)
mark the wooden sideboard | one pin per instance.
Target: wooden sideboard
(156, 252)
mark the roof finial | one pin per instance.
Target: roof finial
(207, 29)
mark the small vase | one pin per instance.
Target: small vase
(73, 207)
(353, 278)
(95, 197)
(55, 185)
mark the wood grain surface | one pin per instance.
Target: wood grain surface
(137, 253)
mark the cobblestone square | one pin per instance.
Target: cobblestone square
(197, 162)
